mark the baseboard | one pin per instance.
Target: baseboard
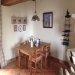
(11, 60)
(59, 59)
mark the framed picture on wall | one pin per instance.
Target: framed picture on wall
(24, 27)
(48, 20)
(24, 20)
(14, 20)
(15, 28)
(19, 20)
(20, 28)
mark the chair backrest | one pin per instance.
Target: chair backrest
(38, 52)
(35, 54)
(46, 50)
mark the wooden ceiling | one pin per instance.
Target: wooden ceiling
(12, 2)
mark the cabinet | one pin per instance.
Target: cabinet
(66, 32)
(11, 2)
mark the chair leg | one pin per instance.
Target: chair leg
(25, 61)
(19, 58)
(30, 67)
(45, 63)
(35, 68)
(41, 64)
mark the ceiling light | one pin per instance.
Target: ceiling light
(35, 17)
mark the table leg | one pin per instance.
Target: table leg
(18, 58)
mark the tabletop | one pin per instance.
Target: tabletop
(27, 49)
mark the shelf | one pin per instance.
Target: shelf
(66, 31)
(65, 39)
(67, 24)
(66, 35)
(65, 43)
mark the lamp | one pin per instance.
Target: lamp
(35, 17)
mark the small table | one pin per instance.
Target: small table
(27, 49)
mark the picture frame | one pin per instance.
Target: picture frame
(14, 20)
(24, 27)
(48, 20)
(24, 20)
(19, 20)
(15, 28)
(19, 23)
(20, 28)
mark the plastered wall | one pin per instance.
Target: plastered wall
(52, 35)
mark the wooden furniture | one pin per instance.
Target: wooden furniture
(22, 59)
(46, 53)
(27, 50)
(11, 2)
(35, 59)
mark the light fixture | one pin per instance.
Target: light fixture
(35, 17)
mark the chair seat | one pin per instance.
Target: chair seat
(36, 58)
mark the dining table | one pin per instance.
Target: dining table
(26, 49)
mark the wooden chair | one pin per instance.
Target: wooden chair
(34, 59)
(22, 56)
(46, 53)
(22, 59)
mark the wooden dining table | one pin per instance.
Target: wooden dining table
(26, 49)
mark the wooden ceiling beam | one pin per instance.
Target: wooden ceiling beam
(12, 2)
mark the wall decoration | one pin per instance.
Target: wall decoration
(19, 23)
(20, 28)
(15, 28)
(14, 20)
(24, 27)
(24, 20)
(48, 20)
(19, 20)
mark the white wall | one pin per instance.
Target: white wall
(52, 35)
(11, 38)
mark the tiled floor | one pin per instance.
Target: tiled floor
(53, 68)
